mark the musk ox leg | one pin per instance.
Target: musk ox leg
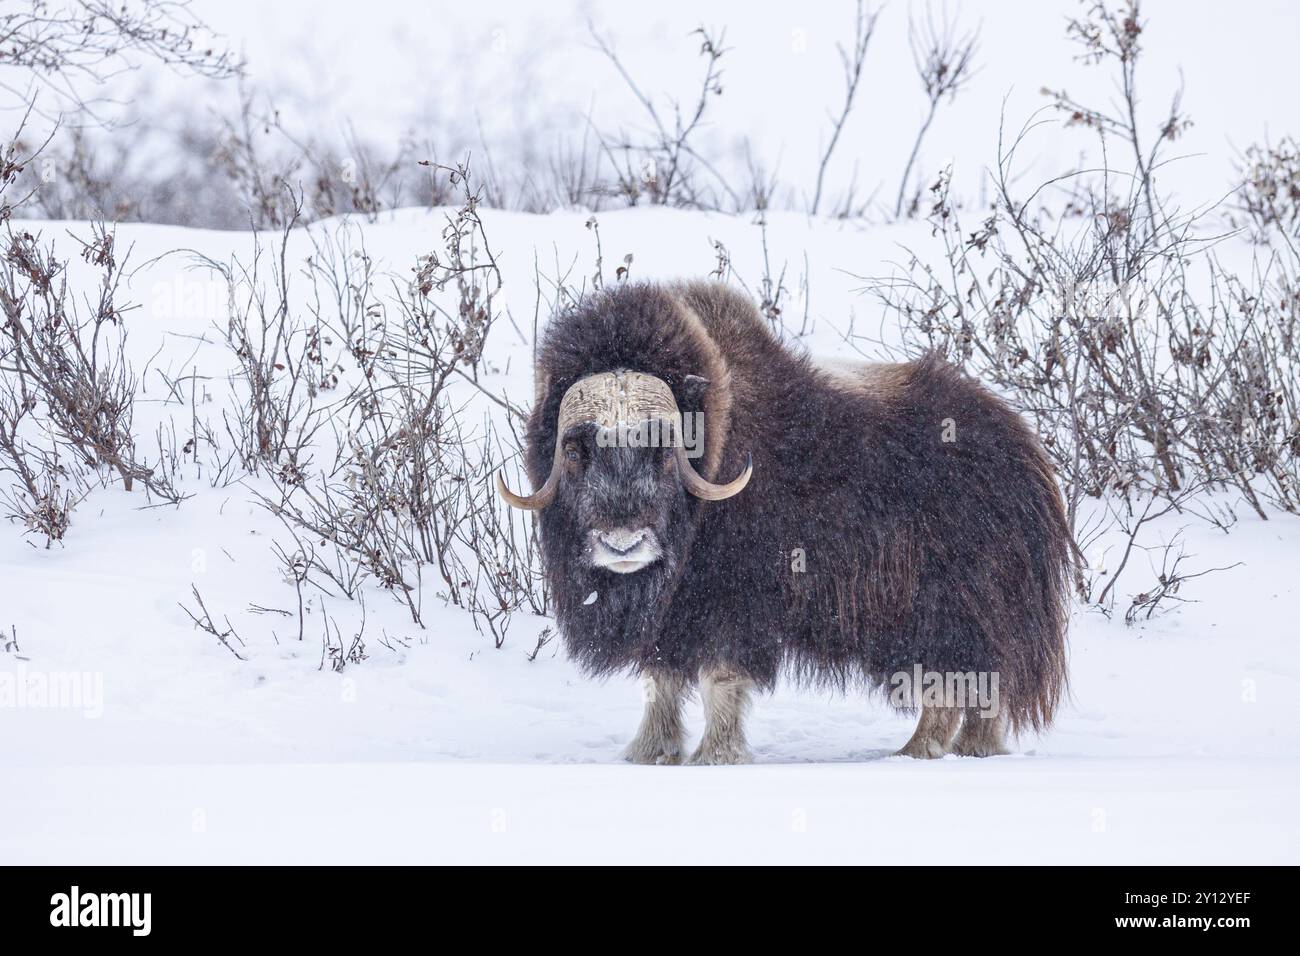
(661, 738)
(726, 698)
(980, 736)
(933, 733)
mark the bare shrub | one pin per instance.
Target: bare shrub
(1088, 313)
(1250, 428)
(1112, 36)
(68, 364)
(15, 158)
(42, 492)
(61, 48)
(944, 60)
(237, 167)
(333, 649)
(666, 167)
(1170, 579)
(1139, 393)
(1269, 196)
(852, 60)
(280, 177)
(410, 486)
(467, 263)
(89, 183)
(285, 364)
(161, 173)
(226, 636)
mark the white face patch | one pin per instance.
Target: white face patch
(623, 551)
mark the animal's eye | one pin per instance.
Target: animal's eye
(572, 454)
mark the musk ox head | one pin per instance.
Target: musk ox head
(621, 470)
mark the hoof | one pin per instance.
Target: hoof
(652, 753)
(719, 756)
(928, 749)
(979, 748)
(980, 737)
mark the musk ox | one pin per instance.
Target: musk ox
(841, 526)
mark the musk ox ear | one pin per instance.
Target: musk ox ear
(693, 389)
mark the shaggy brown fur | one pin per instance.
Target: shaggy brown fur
(916, 549)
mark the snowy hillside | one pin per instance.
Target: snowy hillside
(1181, 741)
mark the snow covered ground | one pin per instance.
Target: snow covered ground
(1180, 744)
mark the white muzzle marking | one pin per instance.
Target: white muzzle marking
(623, 551)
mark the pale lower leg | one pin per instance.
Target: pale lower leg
(726, 698)
(981, 736)
(662, 735)
(933, 733)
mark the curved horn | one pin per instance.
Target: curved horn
(707, 490)
(583, 401)
(536, 501)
